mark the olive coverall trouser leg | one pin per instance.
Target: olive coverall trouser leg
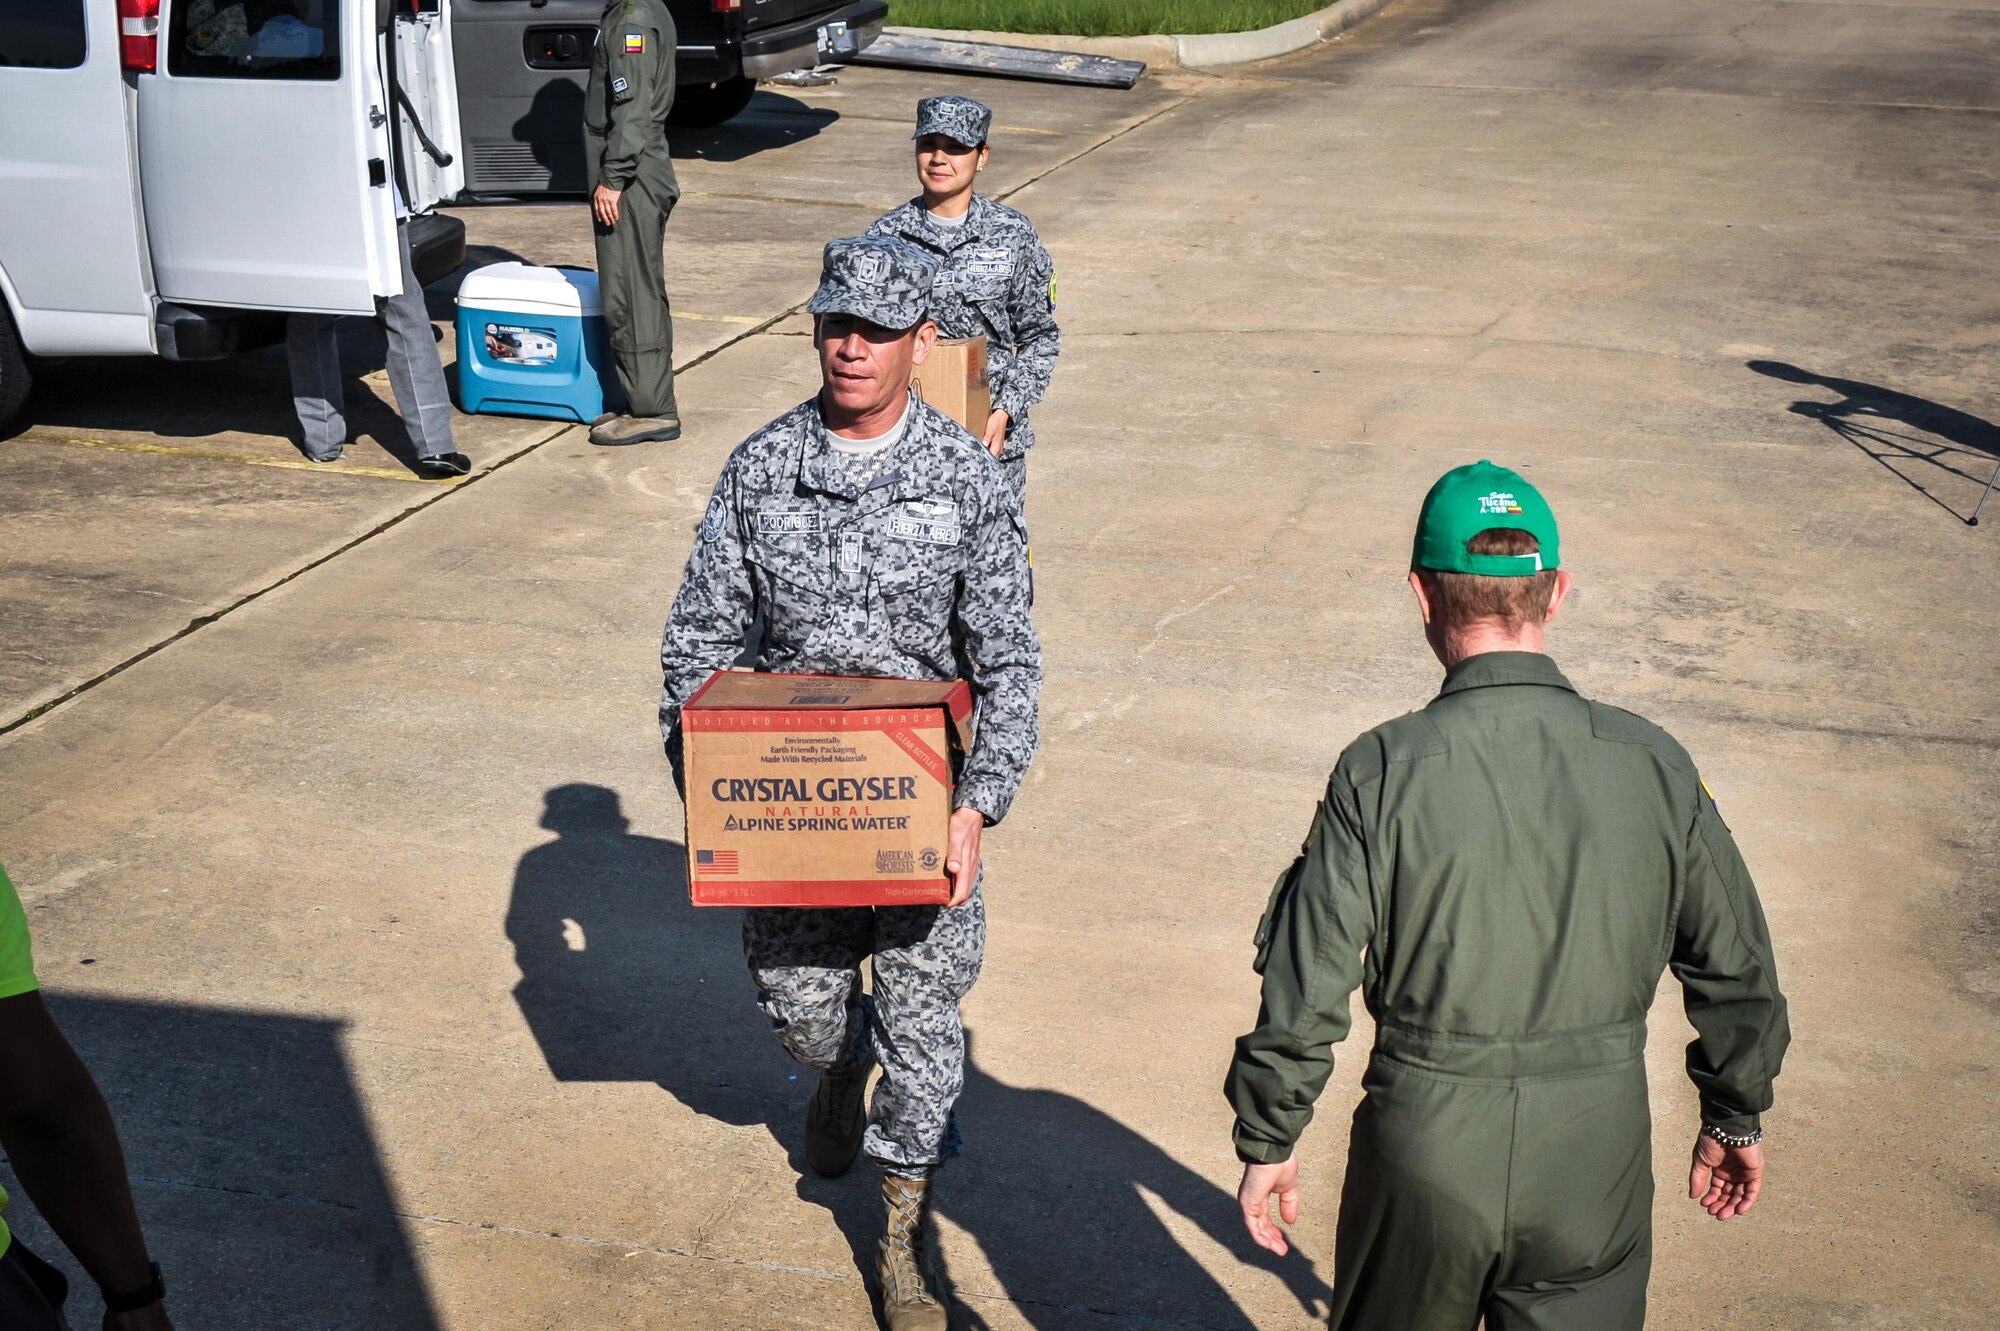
(1526, 1201)
(632, 280)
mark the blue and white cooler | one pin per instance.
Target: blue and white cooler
(532, 342)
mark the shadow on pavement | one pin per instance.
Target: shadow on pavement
(250, 393)
(1065, 1202)
(1952, 442)
(550, 135)
(257, 1178)
(624, 980)
(772, 120)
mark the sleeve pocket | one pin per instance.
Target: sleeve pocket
(1265, 925)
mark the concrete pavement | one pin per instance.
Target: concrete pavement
(365, 900)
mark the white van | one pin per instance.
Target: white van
(176, 175)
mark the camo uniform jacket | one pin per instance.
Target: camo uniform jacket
(995, 278)
(923, 571)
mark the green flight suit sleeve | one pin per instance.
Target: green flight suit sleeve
(1309, 946)
(1729, 982)
(630, 76)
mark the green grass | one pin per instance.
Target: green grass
(1099, 18)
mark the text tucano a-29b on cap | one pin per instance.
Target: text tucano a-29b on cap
(1472, 499)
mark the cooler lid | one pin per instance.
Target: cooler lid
(524, 288)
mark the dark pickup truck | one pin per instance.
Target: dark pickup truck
(522, 66)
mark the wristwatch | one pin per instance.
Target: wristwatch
(1733, 1140)
(131, 1301)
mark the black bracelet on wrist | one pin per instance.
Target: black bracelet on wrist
(132, 1301)
(1734, 1140)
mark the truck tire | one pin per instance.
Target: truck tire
(701, 105)
(14, 376)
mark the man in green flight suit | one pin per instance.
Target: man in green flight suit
(1518, 864)
(632, 192)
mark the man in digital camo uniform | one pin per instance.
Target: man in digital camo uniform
(1504, 874)
(993, 276)
(873, 536)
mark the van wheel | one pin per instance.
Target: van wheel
(14, 376)
(700, 105)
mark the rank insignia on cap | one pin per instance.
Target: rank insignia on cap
(635, 43)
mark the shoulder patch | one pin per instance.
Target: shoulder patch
(635, 43)
(712, 521)
(619, 85)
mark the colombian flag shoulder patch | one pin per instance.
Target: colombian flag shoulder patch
(635, 43)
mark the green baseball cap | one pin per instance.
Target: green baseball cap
(1469, 500)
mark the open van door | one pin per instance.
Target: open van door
(429, 152)
(264, 156)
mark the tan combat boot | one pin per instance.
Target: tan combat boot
(635, 430)
(908, 1302)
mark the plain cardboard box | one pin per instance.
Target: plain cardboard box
(953, 379)
(821, 790)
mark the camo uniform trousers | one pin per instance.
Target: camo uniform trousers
(807, 965)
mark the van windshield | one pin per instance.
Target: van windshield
(255, 39)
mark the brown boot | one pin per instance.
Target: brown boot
(635, 430)
(908, 1301)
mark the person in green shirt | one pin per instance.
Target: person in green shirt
(64, 1149)
(1504, 875)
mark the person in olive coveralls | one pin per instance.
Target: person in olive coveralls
(632, 192)
(1504, 874)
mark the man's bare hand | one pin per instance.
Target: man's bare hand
(604, 203)
(1726, 1180)
(995, 437)
(1254, 1196)
(961, 853)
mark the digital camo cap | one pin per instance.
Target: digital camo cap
(883, 279)
(958, 118)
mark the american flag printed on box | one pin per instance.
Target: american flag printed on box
(715, 863)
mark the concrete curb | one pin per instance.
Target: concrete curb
(1201, 51)
(1194, 51)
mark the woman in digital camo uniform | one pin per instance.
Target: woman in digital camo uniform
(993, 275)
